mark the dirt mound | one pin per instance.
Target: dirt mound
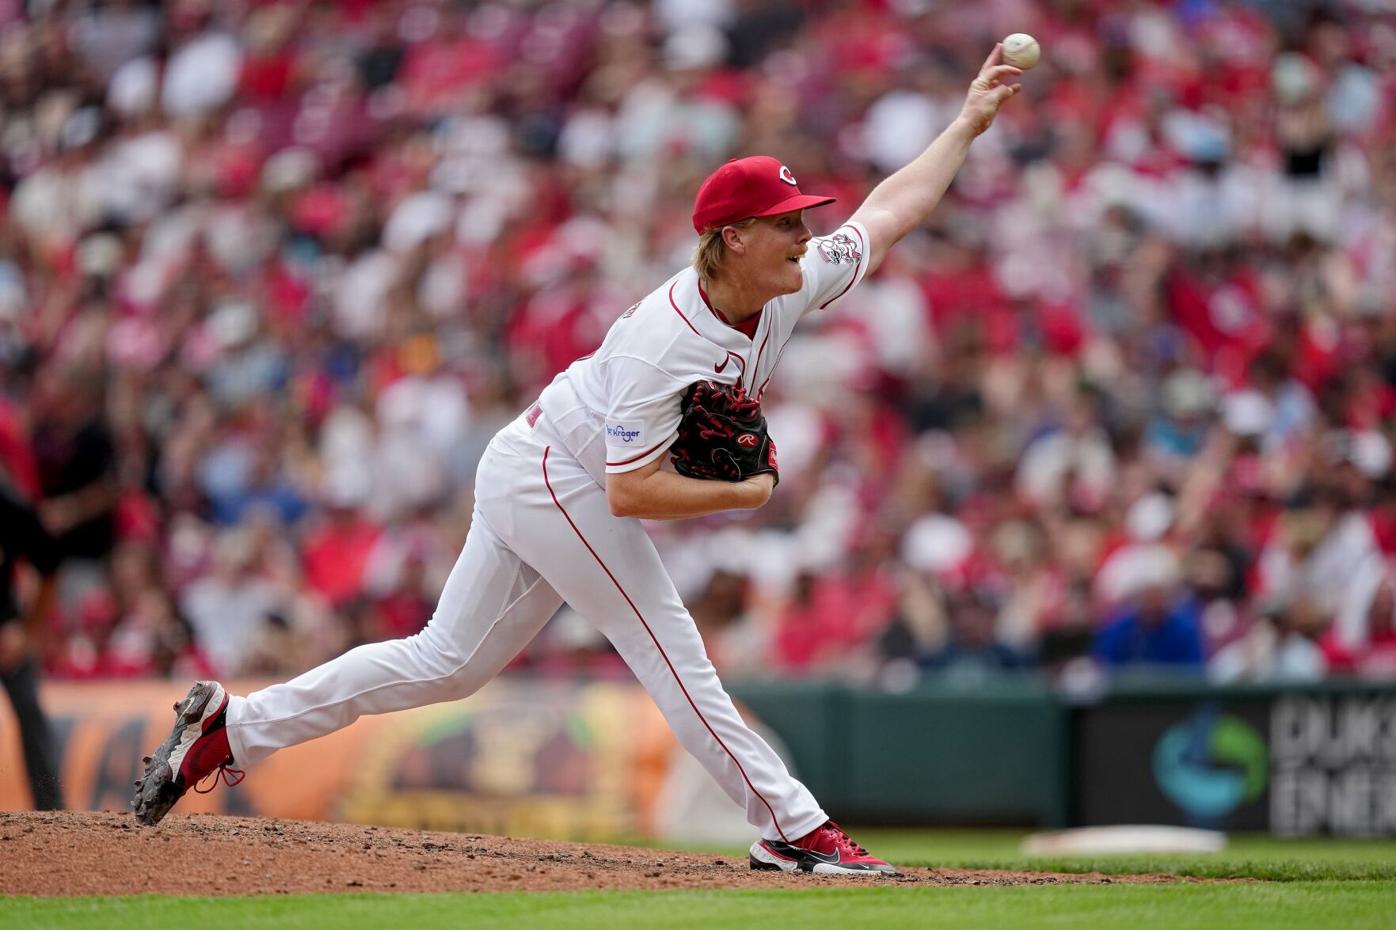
(82, 853)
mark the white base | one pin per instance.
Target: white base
(1125, 839)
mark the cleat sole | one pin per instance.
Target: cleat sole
(158, 789)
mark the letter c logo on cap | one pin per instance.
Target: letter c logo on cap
(786, 176)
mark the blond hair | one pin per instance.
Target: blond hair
(711, 250)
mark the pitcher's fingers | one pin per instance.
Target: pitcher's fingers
(994, 58)
(997, 73)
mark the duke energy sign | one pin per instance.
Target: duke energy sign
(1333, 765)
(1295, 764)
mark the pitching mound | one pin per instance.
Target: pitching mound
(82, 853)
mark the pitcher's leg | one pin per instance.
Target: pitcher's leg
(492, 606)
(610, 572)
(666, 652)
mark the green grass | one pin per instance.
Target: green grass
(1246, 856)
(1261, 857)
(1308, 884)
(1262, 906)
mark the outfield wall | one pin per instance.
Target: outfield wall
(1295, 762)
(989, 755)
(596, 761)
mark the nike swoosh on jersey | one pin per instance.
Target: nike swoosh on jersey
(741, 363)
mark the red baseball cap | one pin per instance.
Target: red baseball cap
(744, 187)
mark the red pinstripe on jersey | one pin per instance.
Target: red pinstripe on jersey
(662, 654)
(673, 304)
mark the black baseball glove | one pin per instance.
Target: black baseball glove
(722, 435)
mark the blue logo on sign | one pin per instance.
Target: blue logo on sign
(1210, 764)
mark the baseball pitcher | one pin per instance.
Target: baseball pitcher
(561, 493)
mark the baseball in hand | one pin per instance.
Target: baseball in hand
(1021, 50)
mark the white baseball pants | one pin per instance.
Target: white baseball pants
(542, 534)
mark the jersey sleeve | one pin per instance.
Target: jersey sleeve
(833, 264)
(642, 413)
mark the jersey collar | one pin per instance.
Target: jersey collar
(755, 319)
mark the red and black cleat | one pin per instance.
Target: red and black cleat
(196, 748)
(825, 851)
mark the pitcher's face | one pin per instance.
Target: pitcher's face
(775, 245)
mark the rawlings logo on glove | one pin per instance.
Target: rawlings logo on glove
(722, 435)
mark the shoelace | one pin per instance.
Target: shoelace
(231, 777)
(845, 840)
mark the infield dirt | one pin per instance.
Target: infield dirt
(84, 853)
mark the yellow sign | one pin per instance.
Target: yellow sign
(520, 757)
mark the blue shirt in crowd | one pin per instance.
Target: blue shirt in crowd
(1175, 640)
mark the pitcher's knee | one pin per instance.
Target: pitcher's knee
(446, 664)
(431, 652)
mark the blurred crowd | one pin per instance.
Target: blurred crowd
(273, 273)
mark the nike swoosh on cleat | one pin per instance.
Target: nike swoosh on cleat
(799, 852)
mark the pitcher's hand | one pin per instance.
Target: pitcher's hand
(988, 91)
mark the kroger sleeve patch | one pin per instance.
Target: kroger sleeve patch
(642, 415)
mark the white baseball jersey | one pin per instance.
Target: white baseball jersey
(618, 408)
(542, 533)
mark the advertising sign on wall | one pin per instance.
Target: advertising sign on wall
(1293, 764)
(566, 760)
(1333, 765)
